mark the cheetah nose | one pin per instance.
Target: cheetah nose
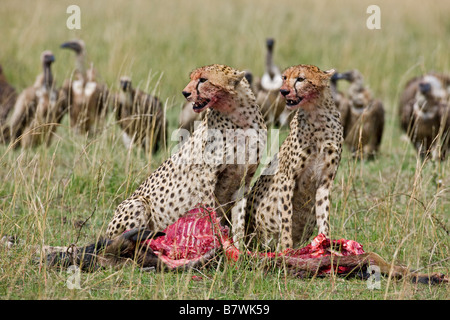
(284, 92)
(186, 94)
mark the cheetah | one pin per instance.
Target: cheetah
(293, 191)
(197, 173)
(425, 115)
(362, 116)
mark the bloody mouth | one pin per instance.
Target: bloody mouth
(293, 102)
(198, 106)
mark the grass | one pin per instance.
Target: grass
(393, 205)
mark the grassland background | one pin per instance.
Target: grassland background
(393, 205)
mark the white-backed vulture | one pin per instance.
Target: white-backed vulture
(86, 98)
(361, 114)
(187, 117)
(268, 95)
(38, 109)
(425, 115)
(341, 100)
(141, 117)
(8, 96)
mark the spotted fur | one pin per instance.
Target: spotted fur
(197, 173)
(293, 193)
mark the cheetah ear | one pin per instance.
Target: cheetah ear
(329, 73)
(240, 75)
(236, 79)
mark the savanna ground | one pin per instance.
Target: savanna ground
(393, 205)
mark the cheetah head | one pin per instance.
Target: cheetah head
(303, 85)
(214, 87)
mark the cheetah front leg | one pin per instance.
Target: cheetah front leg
(238, 222)
(131, 213)
(285, 209)
(322, 204)
(238, 210)
(323, 209)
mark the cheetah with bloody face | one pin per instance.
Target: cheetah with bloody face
(199, 172)
(293, 193)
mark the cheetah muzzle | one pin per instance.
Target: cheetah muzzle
(200, 105)
(293, 102)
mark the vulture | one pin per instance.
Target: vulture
(268, 94)
(339, 97)
(85, 98)
(38, 109)
(140, 116)
(187, 117)
(362, 115)
(424, 109)
(8, 96)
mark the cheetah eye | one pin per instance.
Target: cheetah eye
(201, 80)
(300, 79)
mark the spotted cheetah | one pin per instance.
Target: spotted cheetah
(293, 192)
(198, 172)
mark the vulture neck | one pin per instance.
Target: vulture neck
(2, 76)
(269, 63)
(80, 65)
(48, 76)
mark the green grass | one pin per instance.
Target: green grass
(393, 205)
